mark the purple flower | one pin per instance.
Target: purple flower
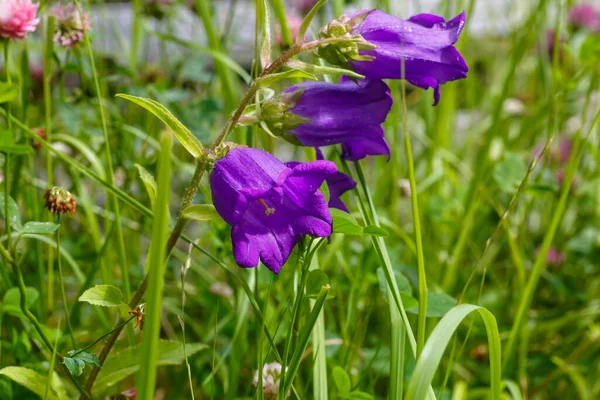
(269, 205)
(586, 16)
(338, 184)
(321, 114)
(425, 43)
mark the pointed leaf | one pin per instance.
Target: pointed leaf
(187, 138)
(345, 223)
(149, 183)
(375, 230)
(306, 22)
(103, 295)
(201, 212)
(31, 379)
(74, 365)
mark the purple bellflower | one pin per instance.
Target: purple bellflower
(269, 205)
(424, 43)
(321, 114)
(338, 184)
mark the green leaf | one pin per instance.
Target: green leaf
(345, 223)
(88, 358)
(103, 295)
(438, 304)
(306, 22)
(187, 138)
(32, 380)
(119, 366)
(8, 92)
(11, 304)
(18, 149)
(149, 183)
(201, 212)
(322, 69)
(13, 210)
(342, 380)
(510, 172)
(375, 230)
(74, 365)
(429, 361)
(291, 74)
(39, 228)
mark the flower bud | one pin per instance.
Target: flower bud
(59, 201)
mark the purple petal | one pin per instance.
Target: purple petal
(424, 44)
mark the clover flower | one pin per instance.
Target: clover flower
(17, 18)
(321, 114)
(70, 25)
(60, 201)
(420, 49)
(271, 375)
(585, 15)
(270, 206)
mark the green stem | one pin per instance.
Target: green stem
(7, 155)
(120, 326)
(121, 253)
(62, 285)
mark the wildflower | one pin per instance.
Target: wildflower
(338, 184)
(70, 25)
(59, 201)
(271, 374)
(17, 18)
(130, 393)
(585, 15)
(41, 132)
(269, 205)
(321, 114)
(554, 256)
(423, 44)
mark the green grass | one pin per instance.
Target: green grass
(487, 218)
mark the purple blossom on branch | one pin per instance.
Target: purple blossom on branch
(425, 43)
(321, 114)
(269, 205)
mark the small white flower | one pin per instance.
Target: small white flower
(271, 375)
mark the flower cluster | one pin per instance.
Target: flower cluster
(270, 204)
(70, 25)
(59, 201)
(17, 18)
(585, 16)
(271, 375)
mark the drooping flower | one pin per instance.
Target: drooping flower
(270, 206)
(17, 18)
(420, 49)
(70, 25)
(338, 184)
(271, 375)
(321, 114)
(586, 16)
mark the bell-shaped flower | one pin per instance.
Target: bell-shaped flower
(321, 114)
(269, 205)
(420, 49)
